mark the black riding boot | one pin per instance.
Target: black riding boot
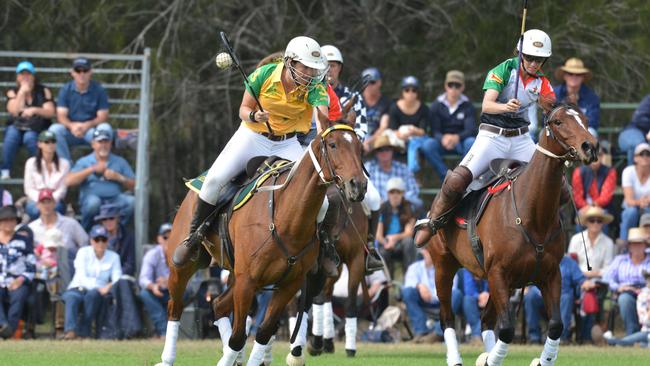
(373, 259)
(188, 250)
(451, 193)
(329, 258)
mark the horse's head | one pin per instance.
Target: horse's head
(565, 134)
(336, 154)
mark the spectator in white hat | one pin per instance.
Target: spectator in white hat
(395, 229)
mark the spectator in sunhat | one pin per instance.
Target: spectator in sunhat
(572, 89)
(625, 279)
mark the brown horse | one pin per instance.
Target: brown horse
(351, 230)
(522, 239)
(268, 250)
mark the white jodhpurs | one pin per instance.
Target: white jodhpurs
(244, 145)
(372, 199)
(489, 146)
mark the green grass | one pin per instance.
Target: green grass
(147, 353)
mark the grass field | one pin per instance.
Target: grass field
(147, 353)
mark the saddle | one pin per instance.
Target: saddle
(238, 192)
(470, 210)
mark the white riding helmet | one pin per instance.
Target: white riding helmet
(306, 51)
(536, 43)
(332, 53)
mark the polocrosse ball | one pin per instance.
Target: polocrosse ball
(223, 60)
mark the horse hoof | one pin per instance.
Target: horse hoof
(350, 352)
(315, 346)
(535, 362)
(295, 361)
(328, 345)
(482, 359)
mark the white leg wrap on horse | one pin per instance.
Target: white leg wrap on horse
(229, 356)
(249, 324)
(549, 354)
(301, 338)
(268, 351)
(498, 353)
(257, 354)
(225, 330)
(317, 322)
(323, 210)
(169, 352)
(453, 355)
(328, 321)
(488, 339)
(351, 333)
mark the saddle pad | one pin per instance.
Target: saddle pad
(248, 189)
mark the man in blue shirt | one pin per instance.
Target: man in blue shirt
(573, 280)
(419, 294)
(572, 89)
(104, 177)
(82, 107)
(153, 281)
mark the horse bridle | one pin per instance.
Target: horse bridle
(571, 152)
(334, 178)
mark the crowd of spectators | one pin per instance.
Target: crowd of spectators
(91, 263)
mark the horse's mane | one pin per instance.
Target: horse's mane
(274, 58)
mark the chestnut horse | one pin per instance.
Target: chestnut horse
(277, 250)
(522, 240)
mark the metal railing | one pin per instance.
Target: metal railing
(124, 96)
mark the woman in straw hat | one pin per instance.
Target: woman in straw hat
(572, 76)
(624, 276)
(643, 313)
(600, 247)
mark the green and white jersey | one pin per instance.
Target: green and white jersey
(502, 79)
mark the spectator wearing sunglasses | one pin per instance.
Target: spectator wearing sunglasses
(636, 189)
(97, 268)
(153, 281)
(30, 109)
(573, 75)
(408, 118)
(46, 170)
(453, 126)
(82, 107)
(600, 247)
(637, 131)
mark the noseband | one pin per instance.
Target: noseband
(571, 152)
(334, 179)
